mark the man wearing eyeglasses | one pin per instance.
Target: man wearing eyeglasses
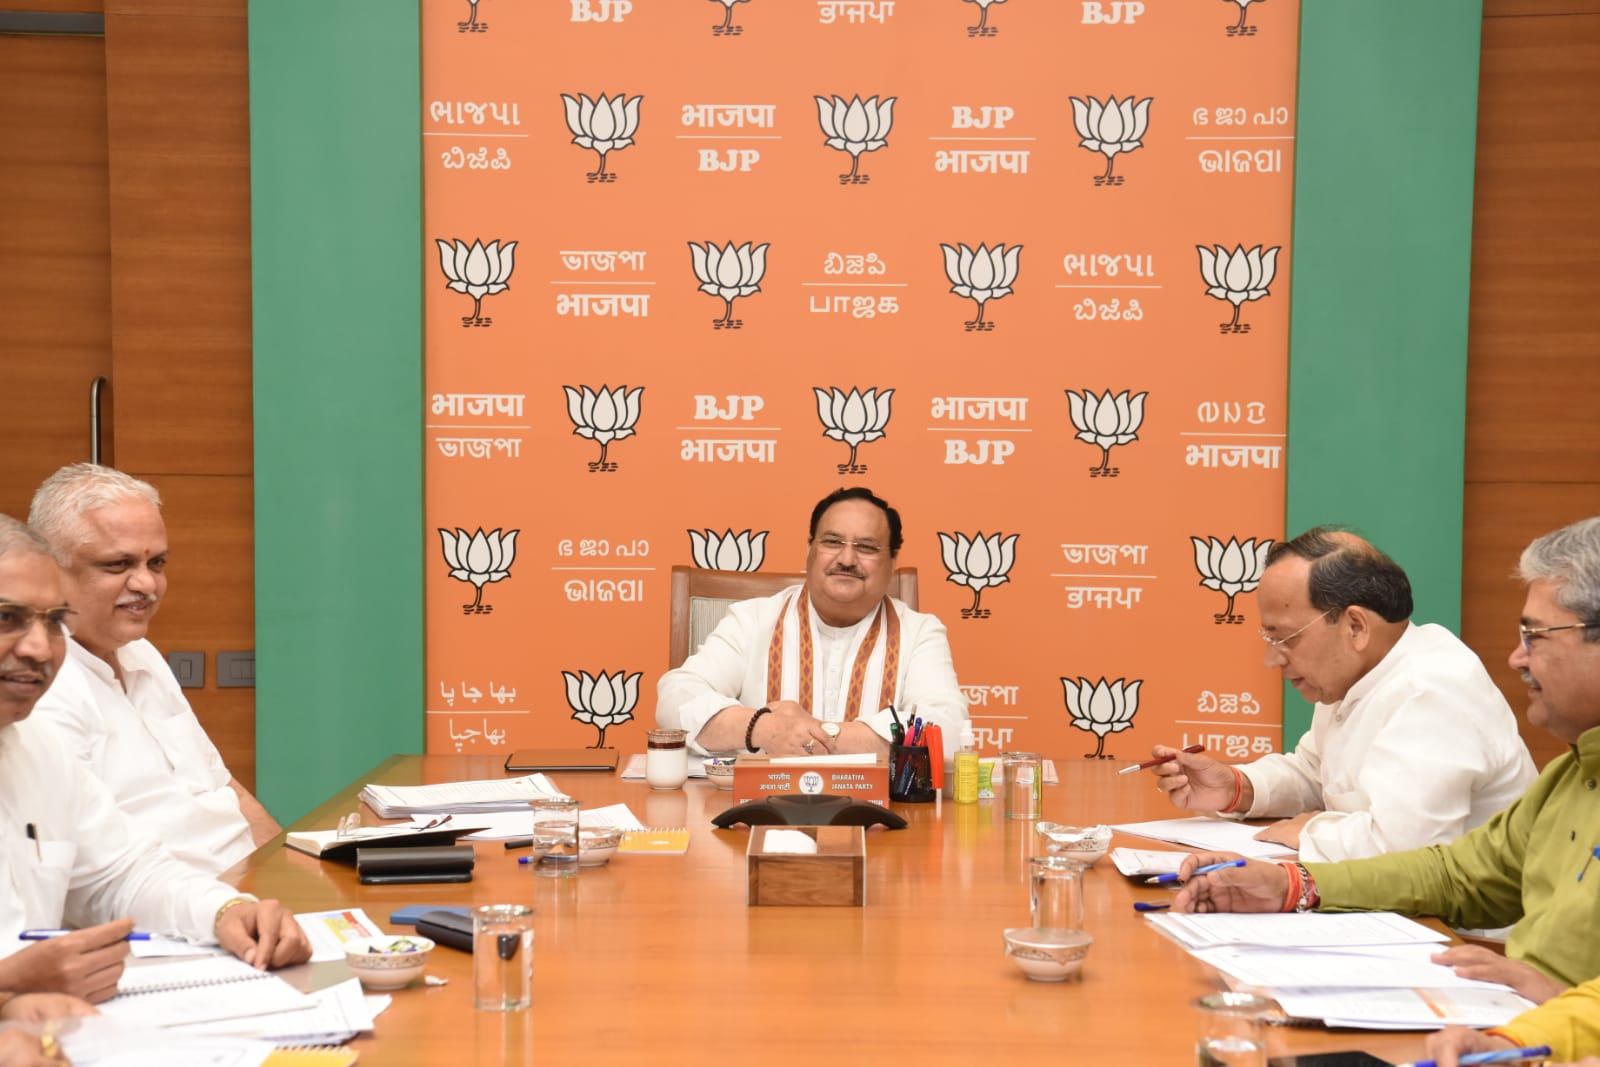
(67, 854)
(817, 667)
(1533, 864)
(1411, 742)
(117, 703)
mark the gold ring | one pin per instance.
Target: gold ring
(807, 746)
(49, 1047)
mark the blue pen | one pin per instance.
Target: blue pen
(1145, 905)
(528, 859)
(1505, 1055)
(1594, 854)
(45, 935)
(1168, 879)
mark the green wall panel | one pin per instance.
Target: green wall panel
(336, 206)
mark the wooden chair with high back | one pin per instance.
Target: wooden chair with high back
(700, 598)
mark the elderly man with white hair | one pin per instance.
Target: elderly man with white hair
(117, 702)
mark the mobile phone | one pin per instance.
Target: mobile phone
(1350, 1058)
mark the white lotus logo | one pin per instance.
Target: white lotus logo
(1106, 421)
(1238, 276)
(728, 551)
(1110, 128)
(730, 273)
(472, 25)
(1102, 708)
(855, 127)
(981, 276)
(1239, 29)
(603, 700)
(478, 270)
(726, 28)
(854, 418)
(605, 415)
(478, 558)
(605, 125)
(983, 29)
(1231, 569)
(979, 563)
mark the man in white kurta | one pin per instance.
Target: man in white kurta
(143, 741)
(116, 702)
(1411, 742)
(1421, 749)
(68, 855)
(819, 666)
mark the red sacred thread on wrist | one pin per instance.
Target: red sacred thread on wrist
(1295, 886)
(1238, 790)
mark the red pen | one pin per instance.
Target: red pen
(1147, 764)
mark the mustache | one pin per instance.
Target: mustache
(1527, 678)
(23, 665)
(136, 598)
(843, 569)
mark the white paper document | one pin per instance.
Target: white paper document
(1208, 835)
(336, 1015)
(495, 794)
(633, 770)
(1403, 1009)
(1371, 967)
(329, 930)
(199, 990)
(1139, 862)
(1293, 930)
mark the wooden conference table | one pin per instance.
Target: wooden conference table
(657, 958)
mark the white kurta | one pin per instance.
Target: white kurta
(87, 863)
(146, 745)
(731, 669)
(1422, 749)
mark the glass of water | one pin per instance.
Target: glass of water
(502, 957)
(1233, 1030)
(555, 828)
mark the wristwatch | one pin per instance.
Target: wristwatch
(832, 730)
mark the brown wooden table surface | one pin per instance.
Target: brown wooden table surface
(657, 958)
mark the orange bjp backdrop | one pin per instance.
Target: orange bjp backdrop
(1019, 266)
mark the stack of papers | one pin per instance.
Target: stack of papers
(1364, 970)
(498, 794)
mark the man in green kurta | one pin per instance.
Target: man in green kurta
(1535, 864)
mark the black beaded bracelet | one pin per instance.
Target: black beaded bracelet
(750, 731)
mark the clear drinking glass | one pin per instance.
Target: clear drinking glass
(502, 957)
(1233, 1030)
(1056, 892)
(1024, 784)
(555, 826)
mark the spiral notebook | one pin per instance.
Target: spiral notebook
(656, 841)
(200, 990)
(311, 1057)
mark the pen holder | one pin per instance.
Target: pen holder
(911, 774)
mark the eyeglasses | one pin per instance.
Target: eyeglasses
(18, 619)
(1280, 644)
(864, 549)
(1528, 633)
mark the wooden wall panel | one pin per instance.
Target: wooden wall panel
(55, 267)
(177, 74)
(210, 599)
(180, 242)
(1500, 521)
(1533, 381)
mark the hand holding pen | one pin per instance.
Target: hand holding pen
(85, 963)
(1158, 761)
(1175, 876)
(1196, 782)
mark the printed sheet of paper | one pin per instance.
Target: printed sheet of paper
(1208, 835)
(1335, 930)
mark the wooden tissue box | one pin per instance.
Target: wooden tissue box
(836, 876)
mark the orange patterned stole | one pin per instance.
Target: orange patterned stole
(885, 627)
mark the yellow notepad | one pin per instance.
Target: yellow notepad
(326, 1056)
(656, 840)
